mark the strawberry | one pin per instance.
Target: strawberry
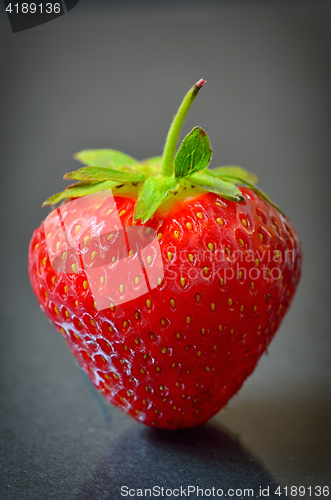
(168, 280)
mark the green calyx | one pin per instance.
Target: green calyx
(155, 180)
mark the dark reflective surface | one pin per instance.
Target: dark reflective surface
(206, 457)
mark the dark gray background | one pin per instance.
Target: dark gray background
(112, 75)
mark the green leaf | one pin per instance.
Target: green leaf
(194, 153)
(150, 166)
(108, 158)
(221, 187)
(104, 174)
(233, 172)
(152, 194)
(78, 190)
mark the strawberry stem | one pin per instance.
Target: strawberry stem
(169, 150)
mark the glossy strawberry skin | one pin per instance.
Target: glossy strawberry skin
(173, 357)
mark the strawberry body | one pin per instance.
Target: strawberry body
(172, 357)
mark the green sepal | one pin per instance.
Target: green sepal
(79, 189)
(108, 158)
(234, 172)
(194, 153)
(104, 174)
(152, 194)
(221, 187)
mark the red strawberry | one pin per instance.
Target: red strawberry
(169, 333)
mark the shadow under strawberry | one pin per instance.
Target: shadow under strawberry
(206, 457)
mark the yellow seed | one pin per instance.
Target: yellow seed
(199, 354)
(86, 240)
(115, 376)
(197, 297)
(188, 319)
(173, 365)
(257, 262)
(163, 322)
(159, 280)
(240, 274)
(205, 270)
(178, 335)
(136, 341)
(109, 211)
(74, 267)
(122, 212)
(125, 324)
(182, 281)
(57, 245)
(244, 222)
(110, 328)
(241, 243)
(230, 302)
(221, 281)
(200, 215)
(53, 280)
(220, 327)
(102, 280)
(227, 249)
(76, 302)
(149, 259)
(196, 411)
(77, 228)
(152, 336)
(172, 303)
(245, 334)
(110, 236)
(85, 284)
(148, 303)
(175, 407)
(176, 384)
(164, 350)
(158, 369)
(144, 401)
(241, 308)
(93, 255)
(231, 331)
(190, 256)
(92, 322)
(122, 288)
(183, 396)
(48, 236)
(188, 225)
(36, 246)
(252, 285)
(255, 307)
(203, 331)
(142, 371)
(210, 246)
(44, 261)
(176, 234)
(220, 221)
(207, 369)
(215, 347)
(148, 230)
(187, 347)
(56, 310)
(161, 387)
(164, 400)
(261, 237)
(65, 288)
(268, 272)
(136, 280)
(64, 255)
(159, 236)
(169, 255)
(212, 306)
